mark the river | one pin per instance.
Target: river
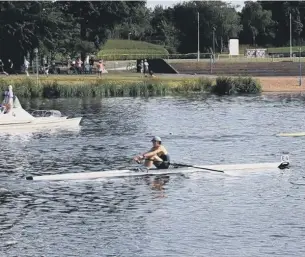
(204, 214)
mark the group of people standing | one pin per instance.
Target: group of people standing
(77, 66)
(87, 67)
(144, 68)
(7, 69)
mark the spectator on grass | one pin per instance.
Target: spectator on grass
(73, 67)
(78, 64)
(146, 67)
(11, 69)
(152, 73)
(100, 68)
(26, 66)
(141, 66)
(91, 63)
(2, 67)
(46, 69)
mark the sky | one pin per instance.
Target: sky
(170, 3)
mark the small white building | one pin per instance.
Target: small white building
(233, 47)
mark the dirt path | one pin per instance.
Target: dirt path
(269, 84)
(281, 84)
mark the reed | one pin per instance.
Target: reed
(133, 86)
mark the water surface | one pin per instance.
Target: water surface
(253, 214)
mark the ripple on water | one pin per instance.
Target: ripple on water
(258, 214)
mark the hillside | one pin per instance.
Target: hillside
(130, 49)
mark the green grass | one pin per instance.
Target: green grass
(116, 49)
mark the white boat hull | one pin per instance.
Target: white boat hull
(129, 173)
(42, 123)
(18, 119)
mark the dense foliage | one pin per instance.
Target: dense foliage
(82, 27)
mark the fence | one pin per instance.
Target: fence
(112, 63)
(207, 57)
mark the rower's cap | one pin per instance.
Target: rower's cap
(156, 139)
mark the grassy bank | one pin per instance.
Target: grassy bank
(120, 49)
(116, 49)
(116, 85)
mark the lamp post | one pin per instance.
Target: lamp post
(36, 53)
(214, 43)
(300, 67)
(290, 31)
(198, 53)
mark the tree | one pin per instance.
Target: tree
(218, 16)
(136, 26)
(163, 29)
(97, 19)
(227, 24)
(257, 24)
(27, 25)
(281, 11)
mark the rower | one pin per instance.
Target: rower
(8, 99)
(157, 155)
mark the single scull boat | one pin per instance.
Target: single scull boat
(172, 170)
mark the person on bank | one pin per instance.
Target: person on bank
(157, 156)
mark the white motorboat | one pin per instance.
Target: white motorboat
(17, 118)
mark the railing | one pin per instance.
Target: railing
(203, 57)
(130, 64)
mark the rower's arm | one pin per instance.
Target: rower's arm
(151, 153)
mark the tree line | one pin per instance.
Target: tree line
(83, 27)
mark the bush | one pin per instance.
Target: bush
(224, 86)
(247, 85)
(240, 85)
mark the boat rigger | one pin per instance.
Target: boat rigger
(175, 169)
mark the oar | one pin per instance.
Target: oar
(196, 167)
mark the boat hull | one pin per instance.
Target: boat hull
(16, 118)
(131, 173)
(44, 122)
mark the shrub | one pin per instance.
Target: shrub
(247, 85)
(240, 85)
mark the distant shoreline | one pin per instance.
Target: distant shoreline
(276, 84)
